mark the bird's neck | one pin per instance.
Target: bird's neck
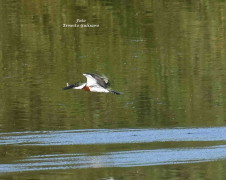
(86, 88)
(81, 86)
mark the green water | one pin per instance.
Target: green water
(167, 57)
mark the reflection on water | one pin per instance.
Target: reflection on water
(116, 158)
(165, 58)
(168, 57)
(111, 136)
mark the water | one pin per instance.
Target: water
(111, 136)
(168, 59)
(120, 148)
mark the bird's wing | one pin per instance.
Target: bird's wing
(96, 80)
(91, 81)
(106, 80)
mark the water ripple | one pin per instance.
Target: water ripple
(111, 136)
(117, 159)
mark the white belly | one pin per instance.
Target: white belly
(98, 89)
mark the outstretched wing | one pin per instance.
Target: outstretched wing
(95, 79)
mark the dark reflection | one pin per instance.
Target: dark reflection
(144, 107)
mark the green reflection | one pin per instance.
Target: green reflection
(168, 57)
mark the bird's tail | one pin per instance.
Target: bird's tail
(115, 92)
(69, 86)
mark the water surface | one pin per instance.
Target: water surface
(167, 57)
(115, 157)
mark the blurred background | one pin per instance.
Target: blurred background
(167, 57)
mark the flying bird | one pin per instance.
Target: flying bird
(95, 83)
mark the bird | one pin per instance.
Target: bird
(95, 83)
